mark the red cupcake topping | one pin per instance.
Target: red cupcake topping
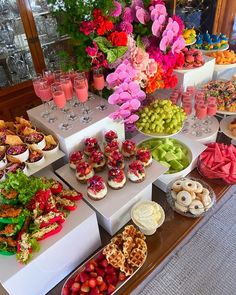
(96, 157)
(83, 168)
(96, 183)
(136, 167)
(76, 157)
(91, 144)
(112, 146)
(110, 136)
(116, 175)
(143, 155)
(115, 159)
(128, 146)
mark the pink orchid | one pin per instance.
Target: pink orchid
(118, 9)
(156, 28)
(131, 119)
(178, 45)
(164, 43)
(173, 26)
(131, 105)
(126, 27)
(128, 15)
(136, 3)
(158, 10)
(142, 15)
(120, 114)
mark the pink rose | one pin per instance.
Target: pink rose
(151, 68)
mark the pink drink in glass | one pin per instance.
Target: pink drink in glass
(99, 82)
(211, 109)
(68, 89)
(211, 99)
(174, 97)
(45, 93)
(199, 103)
(201, 111)
(59, 99)
(82, 93)
(36, 85)
(187, 100)
(186, 95)
(191, 89)
(199, 96)
(187, 108)
(50, 78)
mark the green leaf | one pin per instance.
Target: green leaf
(116, 52)
(111, 56)
(139, 42)
(103, 44)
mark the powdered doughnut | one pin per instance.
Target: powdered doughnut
(206, 200)
(205, 192)
(196, 207)
(184, 198)
(189, 185)
(177, 186)
(199, 187)
(173, 194)
(181, 208)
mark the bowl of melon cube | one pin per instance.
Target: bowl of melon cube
(169, 152)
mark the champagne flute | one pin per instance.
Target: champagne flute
(49, 75)
(67, 86)
(81, 91)
(60, 101)
(99, 84)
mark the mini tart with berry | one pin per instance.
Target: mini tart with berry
(110, 136)
(128, 148)
(116, 178)
(75, 158)
(111, 147)
(97, 188)
(84, 171)
(90, 145)
(144, 156)
(136, 171)
(97, 160)
(116, 160)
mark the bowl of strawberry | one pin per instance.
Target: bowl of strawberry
(95, 277)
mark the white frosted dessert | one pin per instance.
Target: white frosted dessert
(75, 158)
(97, 188)
(136, 171)
(144, 156)
(84, 171)
(116, 178)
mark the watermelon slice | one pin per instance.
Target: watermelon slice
(218, 156)
(233, 169)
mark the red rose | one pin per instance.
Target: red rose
(87, 27)
(118, 38)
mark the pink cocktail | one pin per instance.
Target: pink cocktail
(211, 109)
(59, 99)
(45, 93)
(211, 99)
(201, 111)
(199, 95)
(67, 88)
(174, 97)
(187, 108)
(191, 89)
(186, 95)
(82, 93)
(98, 81)
(199, 103)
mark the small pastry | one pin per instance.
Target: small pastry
(111, 147)
(84, 171)
(184, 198)
(91, 145)
(116, 178)
(128, 148)
(144, 156)
(181, 208)
(209, 206)
(206, 200)
(199, 187)
(136, 171)
(116, 160)
(177, 186)
(75, 158)
(110, 136)
(97, 188)
(97, 160)
(189, 185)
(173, 194)
(196, 207)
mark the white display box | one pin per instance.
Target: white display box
(72, 139)
(58, 256)
(224, 72)
(196, 148)
(198, 76)
(113, 211)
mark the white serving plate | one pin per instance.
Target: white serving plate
(184, 70)
(224, 67)
(81, 268)
(193, 42)
(160, 135)
(226, 113)
(224, 126)
(215, 50)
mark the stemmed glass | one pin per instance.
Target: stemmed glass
(60, 101)
(50, 77)
(81, 90)
(99, 84)
(67, 86)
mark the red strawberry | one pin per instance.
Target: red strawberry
(99, 280)
(93, 261)
(77, 278)
(122, 276)
(103, 263)
(94, 291)
(100, 272)
(85, 287)
(66, 291)
(69, 283)
(100, 257)
(89, 267)
(110, 269)
(84, 277)
(111, 289)
(103, 287)
(93, 274)
(111, 279)
(92, 283)
(75, 287)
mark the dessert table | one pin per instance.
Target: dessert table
(175, 231)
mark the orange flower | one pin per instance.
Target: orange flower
(155, 82)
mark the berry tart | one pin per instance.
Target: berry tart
(97, 188)
(75, 158)
(97, 160)
(136, 171)
(110, 136)
(91, 145)
(116, 178)
(84, 171)
(111, 147)
(144, 156)
(116, 160)
(128, 148)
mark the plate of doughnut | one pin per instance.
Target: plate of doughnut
(190, 197)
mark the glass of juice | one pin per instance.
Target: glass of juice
(99, 84)
(81, 91)
(59, 99)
